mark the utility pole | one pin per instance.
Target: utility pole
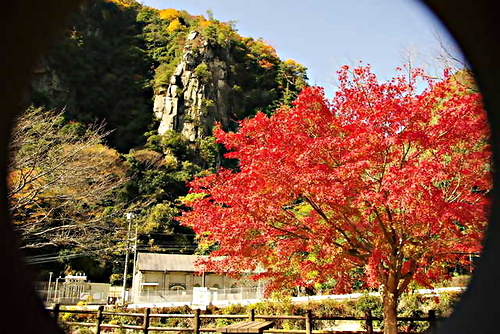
(129, 218)
(135, 251)
(135, 263)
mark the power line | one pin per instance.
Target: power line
(46, 258)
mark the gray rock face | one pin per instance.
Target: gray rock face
(47, 82)
(198, 92)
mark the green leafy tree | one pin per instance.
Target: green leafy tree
(102, 73)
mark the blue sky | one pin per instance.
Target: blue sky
(326, 34)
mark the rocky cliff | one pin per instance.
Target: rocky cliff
(224, 80)
(198, 93)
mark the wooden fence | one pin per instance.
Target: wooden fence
(309, 319)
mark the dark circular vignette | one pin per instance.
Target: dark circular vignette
(27, 26)
(474, 26)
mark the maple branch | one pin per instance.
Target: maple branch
(365, 94)
(354, 244)
(351, 251)
(454, 193)
(388, 212)
(361, 244)
(327, 152)
(406, 278)
(288, 232)
(294, 217)
(405, 154)
(325, 217)
(382, 226)
(393, 231)
(384, 168)
(291, 215)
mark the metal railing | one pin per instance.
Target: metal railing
(186, 296)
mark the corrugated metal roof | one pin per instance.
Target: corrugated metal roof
(166, 262)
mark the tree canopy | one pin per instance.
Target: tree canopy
(61, 176)
(385, 177)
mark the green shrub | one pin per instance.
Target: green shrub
(83, 331)
(369, 302)
(202, 72)
(445, 303)
(412, 305)
(163, 73)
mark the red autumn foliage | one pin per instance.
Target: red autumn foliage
(382, 177)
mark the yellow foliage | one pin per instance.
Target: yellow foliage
(174, 26)
(170, 160)
(119, 3)
(291, 63)
(261, 47)
(12, 178)
(17, 177)
(169, 14)
(105, 160)
(466, 78)
(108, 159)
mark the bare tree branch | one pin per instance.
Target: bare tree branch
(60, 173)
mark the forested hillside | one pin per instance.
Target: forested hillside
(121, 117)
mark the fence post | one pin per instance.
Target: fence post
(197, 321)
(55, 310)
(145, 325)
(309, 317)
(99, 319)
(251, 316)
(369, 322)
(432, 321)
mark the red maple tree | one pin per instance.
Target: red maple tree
(385, 176)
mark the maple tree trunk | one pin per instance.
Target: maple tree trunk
(390, 304)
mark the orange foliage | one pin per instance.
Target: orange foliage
(269, 50)
(204, 23)
(265, 64)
